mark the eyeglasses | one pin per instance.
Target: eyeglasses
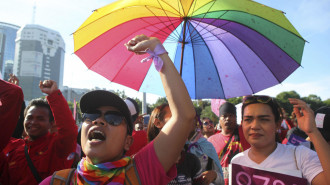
(111, 117)
(255, 99)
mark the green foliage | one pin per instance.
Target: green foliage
(235, 101)
(121, 94)
(327, 102)
(78, 111)
(282, 99)
(313, 101)
(207, 112)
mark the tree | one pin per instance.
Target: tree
(78, 111)
(207, 112)
(313, 101)
(159, 102)
(121, 94)
(235, 101)
(283, 100)
(327, 102)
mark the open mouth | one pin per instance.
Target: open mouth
(96, 135)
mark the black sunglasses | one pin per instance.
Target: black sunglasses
(111, 117)
(257, 99)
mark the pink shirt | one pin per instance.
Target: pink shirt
(149, 168)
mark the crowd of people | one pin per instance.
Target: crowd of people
(178, 147)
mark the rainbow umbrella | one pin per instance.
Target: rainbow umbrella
(221, 48)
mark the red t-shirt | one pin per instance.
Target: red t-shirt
(139, 141)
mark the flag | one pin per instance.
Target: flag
(74, 108)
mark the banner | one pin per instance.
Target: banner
(297, 140)
(215, 105)
(243, 175)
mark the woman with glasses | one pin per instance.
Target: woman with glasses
(188, 165)
(107, 129)
(208, 127)
(261, 118)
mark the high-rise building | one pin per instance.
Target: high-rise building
(7, 48)
(39, 56)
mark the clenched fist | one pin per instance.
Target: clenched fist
(48, 86)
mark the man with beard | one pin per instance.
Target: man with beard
(230, 141)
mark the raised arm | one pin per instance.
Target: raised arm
(169, 142)
(306, 122)
(67, 129)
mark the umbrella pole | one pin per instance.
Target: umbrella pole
(183, 43)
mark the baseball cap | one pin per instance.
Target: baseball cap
(95, 99)
(322, 119)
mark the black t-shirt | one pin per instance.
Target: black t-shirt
(188, 170)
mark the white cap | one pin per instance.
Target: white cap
(130, 106)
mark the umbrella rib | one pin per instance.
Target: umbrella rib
(193, 34)
(213, 64)
(194, 6)
(204, 28)
(252, 49)
(258, 55)
(229, 21)
(163, 22)
(114, 12)
(132, 54)
(165, 34)
(180, 14)
(106, 53)
(236, 62)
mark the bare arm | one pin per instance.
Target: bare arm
(169, 142)
(306, 122)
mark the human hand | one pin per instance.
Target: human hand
(305, 116)
(209, 176)
(48, 86)
(139, 119)
(141, 43)
(13, 79)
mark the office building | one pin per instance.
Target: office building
(7, 48)
(39, 55)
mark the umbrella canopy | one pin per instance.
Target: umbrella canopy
(222, 48)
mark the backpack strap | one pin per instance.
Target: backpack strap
(62, 177)
(131, 174)
(32, 167)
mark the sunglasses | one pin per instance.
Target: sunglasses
(257, 99)
(207, 123)
(111, 117)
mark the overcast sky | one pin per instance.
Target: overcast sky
(310, 17)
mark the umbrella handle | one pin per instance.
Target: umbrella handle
(154, 55)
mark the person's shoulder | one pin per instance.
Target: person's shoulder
(240, 157)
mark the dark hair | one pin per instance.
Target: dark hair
(40, 103)
(158, 113)
(271, 102)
